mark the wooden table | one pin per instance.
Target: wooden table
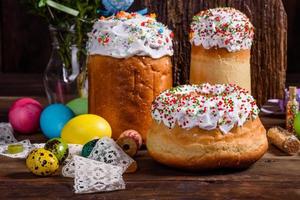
(275, 176)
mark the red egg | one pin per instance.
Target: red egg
(24, 115)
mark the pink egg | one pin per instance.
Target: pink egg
(24, 115)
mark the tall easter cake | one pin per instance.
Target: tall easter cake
(221, 45)
(129, 64)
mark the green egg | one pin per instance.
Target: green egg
(59, 148)
(88, 147)
(79, 106)
(297, 124)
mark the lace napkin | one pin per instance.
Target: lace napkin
(74, 149)
(68, 169)
(106, 150)
(94, 176)
(27, 147)
(6, 134)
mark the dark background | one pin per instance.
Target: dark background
(25, 47)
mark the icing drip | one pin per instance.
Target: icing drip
(129, 34)
(223, 28)
(205, 106)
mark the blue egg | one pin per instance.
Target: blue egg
(53, 119)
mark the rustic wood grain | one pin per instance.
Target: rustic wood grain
(269, 59)
(292, 8)
(21, 85)
(266, 179)
(25, 40)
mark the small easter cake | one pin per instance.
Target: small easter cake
(206, 127)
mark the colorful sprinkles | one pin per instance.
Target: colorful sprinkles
(129, 34)
(205, 106)
(223, 28)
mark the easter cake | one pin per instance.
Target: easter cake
(206, 127)
(129, 64)
(221, 41)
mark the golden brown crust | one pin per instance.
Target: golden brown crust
(122, 90)
(219, 66)
(200, 149)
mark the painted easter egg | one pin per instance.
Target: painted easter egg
(88, 147)
(24, 115)
(59, 148)
(53, 119)
(297, 124)
(42, 162)
(85, 128)
(79, 106)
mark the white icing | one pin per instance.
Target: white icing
(223, 28)
(126, 35)
(205, 106)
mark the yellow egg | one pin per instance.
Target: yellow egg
(42, 162)
(85, 128)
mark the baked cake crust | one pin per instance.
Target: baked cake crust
(122, 90)
(197, 149)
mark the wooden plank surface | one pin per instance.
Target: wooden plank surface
(272, 177)
(275, 176)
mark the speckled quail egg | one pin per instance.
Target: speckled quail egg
(42, 162)
(59, 148)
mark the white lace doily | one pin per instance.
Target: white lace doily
(69, 169)
(94, 176)
(27, 146)
(74, 149)
(6, 134)
(38, 145)
(106, 150)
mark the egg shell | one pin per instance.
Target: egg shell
(59, 148)
(42, 162)
(84, 128)
(53, 119)
(88, 147)
(24, 115)
(297, 124)
(79, 106)
(134, 135)
(117, 5)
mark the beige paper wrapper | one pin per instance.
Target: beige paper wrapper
(220, 66)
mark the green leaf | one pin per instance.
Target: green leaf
(42, 3)
(62, 8)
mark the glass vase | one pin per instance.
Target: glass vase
(65, 75)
